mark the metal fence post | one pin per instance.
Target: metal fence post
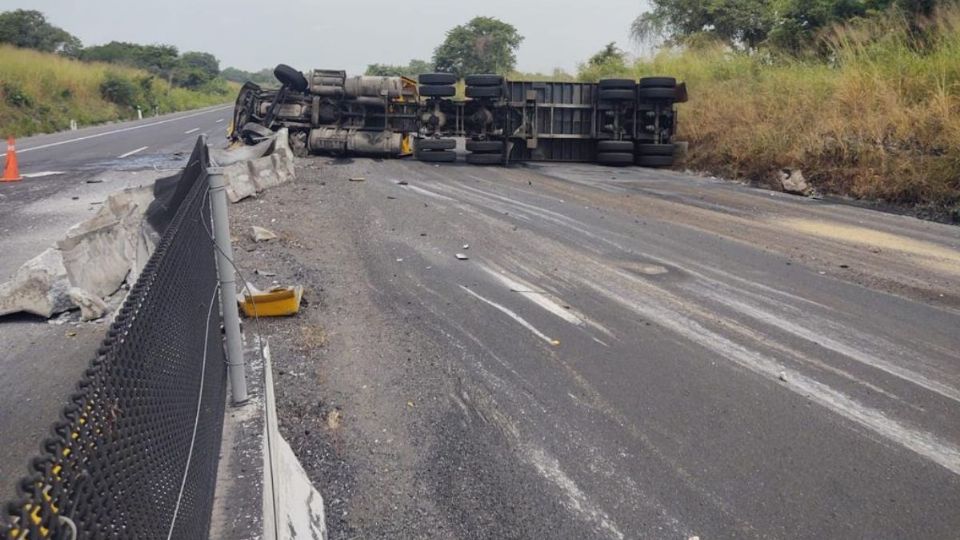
(228, 287)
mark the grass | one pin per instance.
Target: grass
(41, 93)
(877, 117)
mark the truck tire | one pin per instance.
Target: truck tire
(436, 156)
(658, 82)
(617, 84)
(483, 80)
(437, 79)
(617, 94)
(484, 159)
(657, 93)
(437, 91)
(615, 146)
(484, 91)
(485, 147)
(655, 149)
(290, 77)
(615, 158)
(436, 144)
(655, 162)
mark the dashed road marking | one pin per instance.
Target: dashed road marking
(112, 132)
(132, 152)
(41, 174)
(189, 131)
(219, 120)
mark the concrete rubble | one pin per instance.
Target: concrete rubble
(260, 234)
(97, 256)
(792, 181)
(248, 177)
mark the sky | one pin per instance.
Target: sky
(307, 34)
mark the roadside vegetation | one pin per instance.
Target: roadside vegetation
(48, 78)
(864, 101)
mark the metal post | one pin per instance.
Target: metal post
(228, 286)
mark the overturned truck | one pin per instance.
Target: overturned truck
(613, 121)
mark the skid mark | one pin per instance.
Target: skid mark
(671, 317)
(549, 468)
(829, 340)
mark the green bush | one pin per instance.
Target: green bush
(15, 95)
(119, 90)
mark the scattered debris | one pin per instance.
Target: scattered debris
(94, 181)
(391, 197)
(399, 260)
(276, 302)
(264, 273)
(71, 333)
(333, 419)
(260, 234)
(357, 179)
(403, 183)
(783, 376)
(462, 257)
(466, 246)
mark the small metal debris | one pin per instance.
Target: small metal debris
(462, 257)
(357, 179)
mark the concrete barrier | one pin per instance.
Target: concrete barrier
(95, 257)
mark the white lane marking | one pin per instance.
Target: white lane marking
(41, 174)
(122, 130)
(189, 131)
(514, 316)
(132, 152)
(219, 120)
(537, 297)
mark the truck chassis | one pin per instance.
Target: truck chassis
(613, 121)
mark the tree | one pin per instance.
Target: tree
(789, 25)
(196, 69)
(737, 22)
(483, 45)
(30, 29)
(412, 69)
(610, 53)
(157, 59)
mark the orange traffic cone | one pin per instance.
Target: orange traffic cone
(11, 172)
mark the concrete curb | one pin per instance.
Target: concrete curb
(262, 490)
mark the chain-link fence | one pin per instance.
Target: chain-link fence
(135, 452)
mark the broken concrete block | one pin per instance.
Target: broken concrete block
(792, 181)
(100, 253)
(91, 306)
(40, 287)
(259, 234)
(247, 178)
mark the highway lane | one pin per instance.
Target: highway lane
(40, 362)
(624, 354)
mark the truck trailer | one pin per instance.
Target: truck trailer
(612, 121)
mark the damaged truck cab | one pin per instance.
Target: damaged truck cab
(613, 121)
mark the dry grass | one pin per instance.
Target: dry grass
(879, 120)
(41, 92)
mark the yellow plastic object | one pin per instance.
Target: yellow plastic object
(277, 302)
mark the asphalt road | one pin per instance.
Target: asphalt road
(67, 176)
(625, 353)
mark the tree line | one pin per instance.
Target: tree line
(30, 29)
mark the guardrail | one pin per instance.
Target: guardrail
(135, 452)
